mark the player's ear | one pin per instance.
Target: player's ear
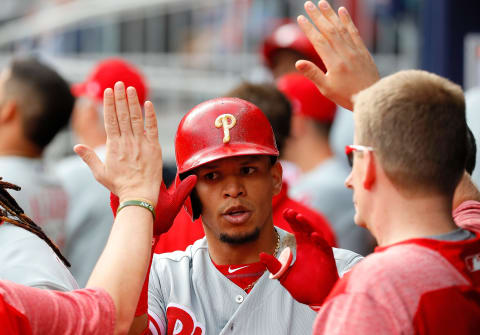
(277, 173)
(370, 170)
(8, 111)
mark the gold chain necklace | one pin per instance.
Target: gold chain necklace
(274, 255)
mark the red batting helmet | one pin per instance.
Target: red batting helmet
(289, 36)
(305, 97)
(221, 128)
(106, 74)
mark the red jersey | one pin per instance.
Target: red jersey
(419, 286)
(29, 310)
(184, 232)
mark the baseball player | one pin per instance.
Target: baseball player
(272, 103)
(36, 103)
(218, 285)
(284, 46)
(408, 157)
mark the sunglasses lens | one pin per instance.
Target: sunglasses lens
(350, 158)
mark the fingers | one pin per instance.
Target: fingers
(319, 42)
(151, 129)
(272, 264)
(312, 72)
(91, 159)
(109, 114)
(351, 28)
(298, 222)
(183, 190)
(135, 112)
(337, 31)
(122, 110)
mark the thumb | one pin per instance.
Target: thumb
(272, 264)
(91, 159)
(183, 190)
(312, 72)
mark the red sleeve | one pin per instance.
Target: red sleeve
(86, 311)
(467, 215)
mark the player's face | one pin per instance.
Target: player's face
(354, 182)
(236, 196)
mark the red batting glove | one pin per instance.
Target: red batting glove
(314, 273)
(168, 205)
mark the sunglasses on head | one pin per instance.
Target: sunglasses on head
(350, 149)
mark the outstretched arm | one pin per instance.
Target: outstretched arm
(133, 170)
(350, 67)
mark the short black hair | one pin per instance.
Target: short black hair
(471, 152)
(43, 96)
(273, 103)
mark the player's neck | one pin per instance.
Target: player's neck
(414, 218)
(18, 146)
(226, 253)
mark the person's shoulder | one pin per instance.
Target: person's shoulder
(28, 260)
(182, 256)
(405, 264)
(345, 260)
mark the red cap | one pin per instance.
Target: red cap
(106, 74)
(305, 97)
(221, 128)
(289, 36)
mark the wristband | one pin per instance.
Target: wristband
(141, 203)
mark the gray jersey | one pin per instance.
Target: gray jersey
(42, 197)
(27, 259)
(187, 292)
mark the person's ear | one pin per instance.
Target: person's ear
(277, 173)
(8, 111)
(370, 170)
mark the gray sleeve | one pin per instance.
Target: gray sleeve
(345, 260)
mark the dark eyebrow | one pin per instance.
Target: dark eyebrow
(208, 167)
(249, 160)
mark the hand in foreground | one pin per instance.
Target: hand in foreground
(168, 205)
(350, 67)
(133, 163)
(314, 273)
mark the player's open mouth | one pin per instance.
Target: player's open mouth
(237, 214)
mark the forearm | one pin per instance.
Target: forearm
(122, 266)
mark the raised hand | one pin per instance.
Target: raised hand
(168, 205)
(314, 272)
(133, 163)
(350, 67)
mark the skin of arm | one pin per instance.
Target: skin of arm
(466, 190)
(133, 170)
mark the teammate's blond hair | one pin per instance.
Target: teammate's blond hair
(415, 120)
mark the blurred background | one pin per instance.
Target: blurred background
(191, 51)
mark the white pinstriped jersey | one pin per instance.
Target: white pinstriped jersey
(189, 294)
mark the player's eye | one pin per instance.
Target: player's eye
(248, 170)
(211, 176)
